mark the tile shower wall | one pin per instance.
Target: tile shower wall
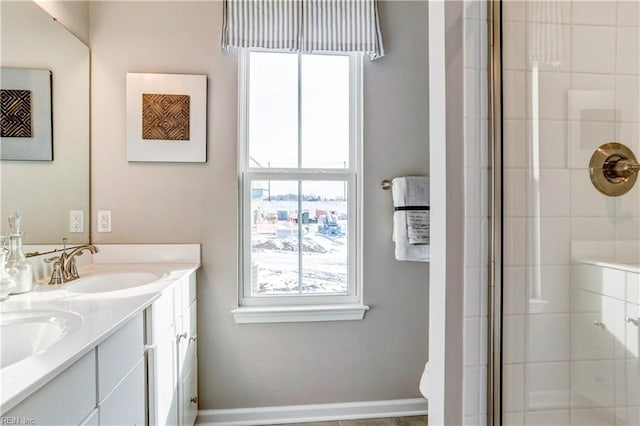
(554, 118)
(476, 212)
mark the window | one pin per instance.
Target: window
(299, 161)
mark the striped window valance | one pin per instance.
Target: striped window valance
(303, 25)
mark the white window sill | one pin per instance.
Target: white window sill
(311, 313)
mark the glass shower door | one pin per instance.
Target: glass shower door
(571, 253)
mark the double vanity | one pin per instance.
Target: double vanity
(116, 346)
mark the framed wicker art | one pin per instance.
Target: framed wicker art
(25, 115)
(166, 117)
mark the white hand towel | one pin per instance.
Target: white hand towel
(411, 218)
(424, 381)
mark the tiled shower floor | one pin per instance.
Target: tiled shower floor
(394, 421)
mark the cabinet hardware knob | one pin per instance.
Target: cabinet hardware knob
(634, 321)
(194, 399)
(193, 338)
(598, 323)
(182, 336)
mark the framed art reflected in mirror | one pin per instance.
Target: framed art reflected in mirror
(25, 115)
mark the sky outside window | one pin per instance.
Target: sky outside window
(273, 111)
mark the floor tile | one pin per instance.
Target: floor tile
(396, 421)
(336, 423)
(412, 421)
(369, 422)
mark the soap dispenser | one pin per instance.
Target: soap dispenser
(7, 279)
(16, 260)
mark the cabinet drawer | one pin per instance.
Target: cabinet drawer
(159, 316)
(126, 404)
(599, 279)
(118, 354)
(67, 399)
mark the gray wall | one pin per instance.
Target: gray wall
(378, 358)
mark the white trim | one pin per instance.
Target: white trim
(313, 413)
(446, 271)
(356, 146)
(437, 166)
(298, 313)
(352, 176)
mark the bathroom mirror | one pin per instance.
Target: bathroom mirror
(45, 192)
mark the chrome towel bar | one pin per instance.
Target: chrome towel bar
(386, 184)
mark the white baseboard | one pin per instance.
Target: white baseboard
(313, 413)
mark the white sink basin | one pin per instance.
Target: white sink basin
(28, 333)
(111, 282)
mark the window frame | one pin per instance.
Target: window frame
(320, 305)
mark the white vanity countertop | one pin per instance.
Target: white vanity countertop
(102, 314)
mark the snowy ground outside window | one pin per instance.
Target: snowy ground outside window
(275, 249)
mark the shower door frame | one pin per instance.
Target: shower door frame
(494, 379)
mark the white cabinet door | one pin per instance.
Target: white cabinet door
(189, 395)
(118, 354)
(171, 357)
(190, 324)
(598, 335)
(162, 380)
(629, 371)
(125, 405)
(160, 315)
(188, 365)
(188, 338)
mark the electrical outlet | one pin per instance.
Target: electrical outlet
(104, 220)
(76, 221)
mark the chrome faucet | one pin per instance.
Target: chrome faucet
(65, 268)
(69, 267)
